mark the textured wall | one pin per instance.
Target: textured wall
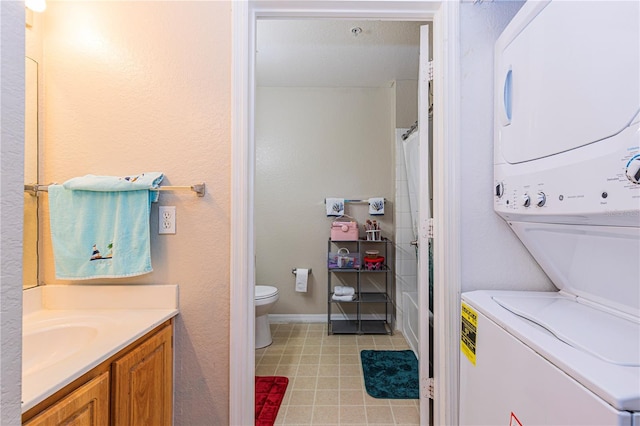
(145, 86)
(12, 45)
(314, 143)
(492, 256)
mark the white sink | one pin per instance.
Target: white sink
(70, 329)
(49, 345)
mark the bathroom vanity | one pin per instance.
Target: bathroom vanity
(98, 355)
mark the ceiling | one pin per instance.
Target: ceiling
(335, 53)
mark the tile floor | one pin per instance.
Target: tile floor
(326, 386)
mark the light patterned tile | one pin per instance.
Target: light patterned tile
(328, 383)
(406, 415)
(351, 397)
(298, 415)
(349, 359)
(286, 370)
(282, 334)
(325, 415)
(296, 341)
(266, 370)
(306, 383)
(308, 370)
(349, 350)
(382, 340)
(311, 349)
(302, 397)
(352, 414)
(385, 348)
(350, 370)
(317, 326)
(275, 350)
(298, 332)
(327, 397)
(350, 383)
(365, 340)
(270, 359)
(404, 402)
(310, 359)
(289, 359)
(333, 359)
(291, 350)
(379, 414)
(369, 400)
(328, 370)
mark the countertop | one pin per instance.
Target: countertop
(70, 329)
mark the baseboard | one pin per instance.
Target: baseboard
(313, 318)
(293, 318)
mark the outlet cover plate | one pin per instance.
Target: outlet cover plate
(166, 219)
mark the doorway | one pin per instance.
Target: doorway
(243, 246)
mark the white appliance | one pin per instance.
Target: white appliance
(567, 181)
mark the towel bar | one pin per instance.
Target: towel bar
(198, 188)
(355, 201)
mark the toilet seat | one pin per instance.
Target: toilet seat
(265, 292)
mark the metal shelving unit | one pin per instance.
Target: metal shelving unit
(371, 311)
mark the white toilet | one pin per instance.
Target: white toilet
(265, 297)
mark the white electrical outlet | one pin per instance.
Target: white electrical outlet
(166, 219)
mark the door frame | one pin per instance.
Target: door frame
(445, 18)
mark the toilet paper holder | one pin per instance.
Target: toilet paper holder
(294, 271)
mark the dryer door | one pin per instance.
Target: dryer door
(566, 77)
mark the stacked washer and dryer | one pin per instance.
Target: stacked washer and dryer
(567, 182)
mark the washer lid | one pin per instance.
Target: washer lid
(584, 323)
(264, 291)
(612, 338)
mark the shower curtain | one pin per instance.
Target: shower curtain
(411, 147)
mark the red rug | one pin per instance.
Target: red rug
(269, 393)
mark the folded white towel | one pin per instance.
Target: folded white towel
(344, 290)
(335, 206)
(376, 206)
(343, 298)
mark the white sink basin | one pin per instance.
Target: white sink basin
(49, 345)
(68, 330)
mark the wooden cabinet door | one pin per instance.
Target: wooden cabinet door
(143, 383)
(86, 406)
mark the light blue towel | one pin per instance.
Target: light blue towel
(146, 180)
(100, 234)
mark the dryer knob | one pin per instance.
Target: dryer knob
(633, 170)
(500, 189)
(542, 199)
(526, 200)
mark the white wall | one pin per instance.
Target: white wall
(492, 256)
(145, 86)
(12, 47)
(314, 143)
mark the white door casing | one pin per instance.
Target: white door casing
(424, 216)
(444, 16)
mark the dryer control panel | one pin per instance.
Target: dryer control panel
(596, 184)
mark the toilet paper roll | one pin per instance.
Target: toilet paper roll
(302, 276)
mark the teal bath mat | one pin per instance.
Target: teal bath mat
(390, 374)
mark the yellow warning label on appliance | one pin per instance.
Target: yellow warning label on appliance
(469, 326)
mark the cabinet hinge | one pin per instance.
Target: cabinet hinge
(430, 228)
(430, 71)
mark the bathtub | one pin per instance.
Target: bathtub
(410, 320)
